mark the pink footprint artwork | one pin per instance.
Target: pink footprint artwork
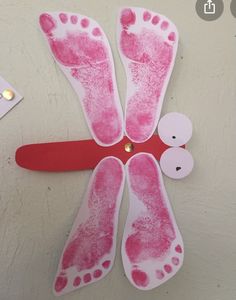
(147, 43)
(152, 247)
(82, 51)
(89, 252)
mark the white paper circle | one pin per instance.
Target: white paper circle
(175, 129)
(176, 163)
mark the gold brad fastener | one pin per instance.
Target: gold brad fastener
(129, 147)
(7, 94)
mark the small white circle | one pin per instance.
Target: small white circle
(175, 129)
(176, 163)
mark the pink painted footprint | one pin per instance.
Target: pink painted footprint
(152, 246)
(82, 51)
(147, 45)
(89, 252)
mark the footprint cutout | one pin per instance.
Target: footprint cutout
(152, 246)
(89, 252)
(82, 51)
(147, 44)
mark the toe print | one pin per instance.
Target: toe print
(76, 281)
(128, 17)
(146, 16)
(151, 232)
(178, 249)
(87, 278)
(148, 52)
(140, 278)
(47, 24)
(106, 264)
(60, 283)
(172, 37)
(175, 261)
(83, 53)
(63, 17)
(89, 252)
(97, 273)
(84, 22)
(74, 19)
(155, 20)
(96, 32)
(164, 25)
(160, 274)
(168, 268)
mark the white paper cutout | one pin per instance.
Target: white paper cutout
(176, 163)
(147, 44)
(175, 129)
(152, 246)
(89, 253)
(6, 106)
(82, 51)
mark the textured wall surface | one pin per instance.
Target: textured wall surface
(38, 209)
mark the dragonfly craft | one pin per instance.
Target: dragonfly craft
(152, 246)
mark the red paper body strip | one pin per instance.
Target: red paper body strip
(80, 155)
